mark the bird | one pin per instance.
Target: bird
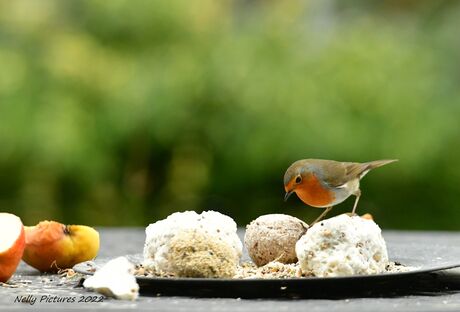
(322, 183)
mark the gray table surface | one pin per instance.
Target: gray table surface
(121, 241)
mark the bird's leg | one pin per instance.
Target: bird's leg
(322, 215)
(358, 194)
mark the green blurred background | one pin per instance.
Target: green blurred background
(122, 112)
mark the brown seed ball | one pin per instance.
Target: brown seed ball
(273, 237)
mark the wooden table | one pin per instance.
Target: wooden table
(51, 290)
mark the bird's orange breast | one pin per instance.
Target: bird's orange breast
(313, 193)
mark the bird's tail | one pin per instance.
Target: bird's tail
(378, 163)
(361, 169)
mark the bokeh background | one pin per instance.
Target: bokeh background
(122, 112)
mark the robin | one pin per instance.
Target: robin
(325, 183)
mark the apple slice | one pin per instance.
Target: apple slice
(12, 241)
(51, 245)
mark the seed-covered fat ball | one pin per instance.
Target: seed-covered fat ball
(195, 254)
(342, 246)
(273, 237)
(188, 244)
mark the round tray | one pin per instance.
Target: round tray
(425, 256)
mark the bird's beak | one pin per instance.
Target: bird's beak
(287, 195)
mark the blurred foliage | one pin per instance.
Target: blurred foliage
(122, 112)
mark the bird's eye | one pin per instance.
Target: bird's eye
(298, 179)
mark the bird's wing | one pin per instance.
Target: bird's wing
(336, 173)
(333, 173)
(356, 170)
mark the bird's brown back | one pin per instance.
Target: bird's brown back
(336, 173)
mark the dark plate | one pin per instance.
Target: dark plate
(426, 256)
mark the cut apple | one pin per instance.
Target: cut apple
(367, 216)
(51, 245)
(11, 244)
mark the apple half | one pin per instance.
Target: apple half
(51, 246)
(12, 242)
